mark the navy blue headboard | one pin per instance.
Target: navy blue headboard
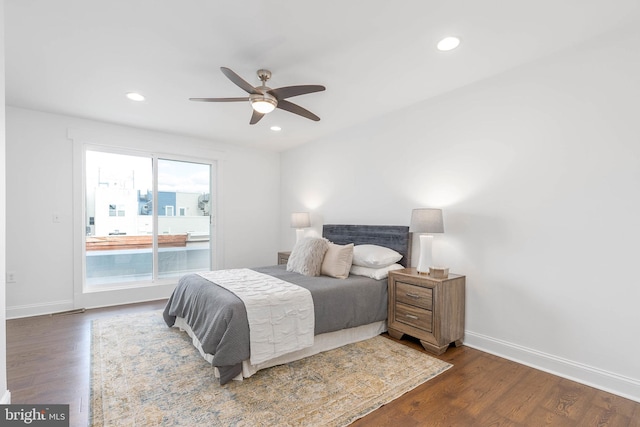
(396, 237)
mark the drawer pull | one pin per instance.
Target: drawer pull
(411, 316)
(416, 296)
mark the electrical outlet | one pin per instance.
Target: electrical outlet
(11, 277)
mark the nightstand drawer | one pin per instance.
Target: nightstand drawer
(414, 316)
(414, 295)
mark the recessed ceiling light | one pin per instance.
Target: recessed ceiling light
(448, 43)
(135, 96)
(276, 128)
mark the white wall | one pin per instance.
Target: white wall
(538, 173)
(5, 395)
(39, 176)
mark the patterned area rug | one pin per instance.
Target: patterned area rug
(146, 374)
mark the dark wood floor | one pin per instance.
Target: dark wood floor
(48, 361)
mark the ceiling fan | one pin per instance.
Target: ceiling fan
(264, 99)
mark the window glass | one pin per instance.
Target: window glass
(183, 187)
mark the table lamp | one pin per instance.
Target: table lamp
(426, 221)
(300, 221)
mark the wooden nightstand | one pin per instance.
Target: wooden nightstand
(429, 309)
(283, 257)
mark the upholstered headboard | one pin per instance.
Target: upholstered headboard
(396, 237)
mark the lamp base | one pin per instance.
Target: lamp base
(424, 262)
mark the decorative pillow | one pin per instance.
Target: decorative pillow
(374, 256)
(374, 273)
(307, 255)
(337, 261)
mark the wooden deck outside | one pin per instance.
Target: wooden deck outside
(107, 243)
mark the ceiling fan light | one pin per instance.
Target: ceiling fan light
(263, 103)
(263, 106)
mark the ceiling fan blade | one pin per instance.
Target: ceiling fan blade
(289, 91)
(296, 109)
(219, 99)
(239, 81)
(255, 117)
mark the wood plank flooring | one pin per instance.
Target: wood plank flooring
(48, 361)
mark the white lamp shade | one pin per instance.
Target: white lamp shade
(426, 220)
(300, 220)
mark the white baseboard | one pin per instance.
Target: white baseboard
(594, 377)
(6, 398)
(28, 310)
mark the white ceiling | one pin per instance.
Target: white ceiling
(80, 57)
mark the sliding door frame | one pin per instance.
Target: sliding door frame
(149, 290)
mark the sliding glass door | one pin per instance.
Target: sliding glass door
(146, 218)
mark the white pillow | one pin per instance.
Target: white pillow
(374, 273)
(374, 256)
(337, 261)
(307, 255)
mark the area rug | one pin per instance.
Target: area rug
(146, 374)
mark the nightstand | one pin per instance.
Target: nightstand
(429, 309)
(283, 257)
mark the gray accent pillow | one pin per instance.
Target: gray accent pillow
(307, 255)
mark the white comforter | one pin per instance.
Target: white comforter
(280, 314)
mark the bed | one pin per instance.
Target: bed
(344, 310)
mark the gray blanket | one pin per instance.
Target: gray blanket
(218, 318)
